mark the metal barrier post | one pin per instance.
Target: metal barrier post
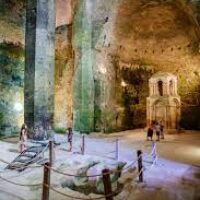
(46, 182)
(107, 184)
(140, 166)
(117, 149)
(83, 145)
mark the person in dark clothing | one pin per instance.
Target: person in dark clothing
(157, 130)
(69, 138)
(162, 130)
(150, 133)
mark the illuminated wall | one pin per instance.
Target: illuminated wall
(11, 66)
(83, 80)
(106, 51)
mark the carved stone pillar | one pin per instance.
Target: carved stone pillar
(39, 63)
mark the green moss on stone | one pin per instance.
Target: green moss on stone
(11, 87)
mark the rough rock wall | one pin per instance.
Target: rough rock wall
(163, 36)
(39, 64)
(11, 65)
(64, 68)
(83, 80)
(63, 78)
(12, 30)
(92, 68)
(133, 39)
(11, 88)
(128, 41)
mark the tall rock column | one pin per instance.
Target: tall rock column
(39, 63)
(84, 77)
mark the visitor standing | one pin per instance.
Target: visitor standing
(69, 138)
(157, 130)
(23, 137)
(150, 132)
(162, 130)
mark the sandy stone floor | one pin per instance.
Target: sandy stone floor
(176, 175)
(183, 147)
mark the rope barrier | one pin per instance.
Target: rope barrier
(97, 153)
(153, 152)
(90, 139)
(100, 139)
(152, 165)
(142, 170)
(82, 198)
(146, 169)
(19, 184)
(71, 175)
(66, 195)
(130, 165)
(92, 176)
(100, 155)
(19, 166)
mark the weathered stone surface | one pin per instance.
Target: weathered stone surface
(94, 184)
(84, 80)
(130, 40)
(113, 176)
(131, 35)
(11, 88)
(39, 69)
(64, 72)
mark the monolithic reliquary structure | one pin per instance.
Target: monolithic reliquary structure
(163, 103)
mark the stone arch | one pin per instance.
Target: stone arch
(159, 111)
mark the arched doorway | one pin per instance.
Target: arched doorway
(159, 112)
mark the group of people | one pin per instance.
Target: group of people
(24, 136)
(158, 128)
